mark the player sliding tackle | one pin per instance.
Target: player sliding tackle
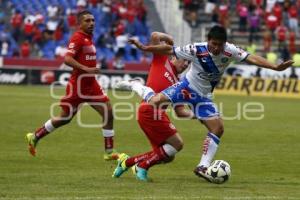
(209, 60)
(161, 133)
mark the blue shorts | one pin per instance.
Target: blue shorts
(181, 93)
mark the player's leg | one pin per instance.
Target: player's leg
(146, 93)
(162, 154)
(105, 110)
(69, 105)
(65, 117)
(215, 131)
(165, 140)
(210, 145)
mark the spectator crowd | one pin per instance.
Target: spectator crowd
(273, 23)
(42, 28)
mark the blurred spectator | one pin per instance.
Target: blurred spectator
(281, 34)
(269, 5)
(52, 11)
(253, 26)
(293, 19)
(277, 11)
(71, 20)
(272, 23)
(28, 27)
(141, 11)
(215, 17)
(81, 4)
(4, 48)
(243, 14)
(223, 13)
(106, 40)
(16, 22)
(25, 49)
(191, 8)
(52, 25)
(94, 3)
(210, 7)
(121, 42)
(60, 51)
(267, 40)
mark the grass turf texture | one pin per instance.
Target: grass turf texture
(264, 154)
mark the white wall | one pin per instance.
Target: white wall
(173, 22)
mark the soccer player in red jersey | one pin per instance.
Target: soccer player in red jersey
(82, 87)
(161, 133)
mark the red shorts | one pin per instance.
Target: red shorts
(156, 124)
(74, 96)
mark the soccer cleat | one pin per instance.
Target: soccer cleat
(114, 155)
(121, 166)
(140, 173)
(201, 171)
(126, 85)
(32, 142)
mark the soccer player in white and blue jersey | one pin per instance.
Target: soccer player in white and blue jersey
(209, 60)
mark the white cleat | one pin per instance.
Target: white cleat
(126, 85)
(123, 85)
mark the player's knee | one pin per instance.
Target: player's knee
(154, 101)
(179, 144)
(218, 130)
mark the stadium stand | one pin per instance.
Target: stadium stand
(41, 28)
(271, 25)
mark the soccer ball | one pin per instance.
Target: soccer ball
(219, 171)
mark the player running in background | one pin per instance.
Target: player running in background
(161, 133)
(209, 60)
(82, 87)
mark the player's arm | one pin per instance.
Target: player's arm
(264, 63)
(70, 61)
(162, 48)
(158, 38)
(182, 112)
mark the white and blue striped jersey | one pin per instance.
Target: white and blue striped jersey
(206, 69)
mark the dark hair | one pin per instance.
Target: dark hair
(218, 33)
(82, 13)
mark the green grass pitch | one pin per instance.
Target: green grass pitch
(264, 154)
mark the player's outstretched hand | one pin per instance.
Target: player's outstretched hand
(136, 43)
(282, 66)
(92, 70)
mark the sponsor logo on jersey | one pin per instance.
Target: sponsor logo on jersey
(203, 54)
(169, 77)
(227, 54)
(89, 57)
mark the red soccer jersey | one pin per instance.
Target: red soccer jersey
(162, 73)
(82, 49)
